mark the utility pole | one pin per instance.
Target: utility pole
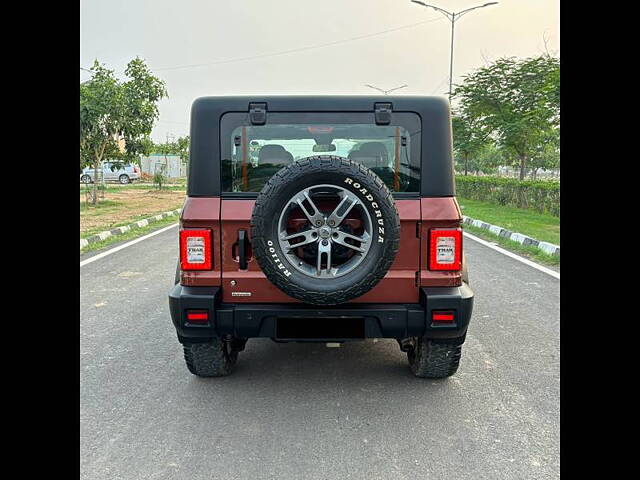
(452, 17)
(386, 92)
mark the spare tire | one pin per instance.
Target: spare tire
(325, 230)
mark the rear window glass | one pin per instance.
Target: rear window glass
(251, 154)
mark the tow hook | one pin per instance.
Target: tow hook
(407, 344)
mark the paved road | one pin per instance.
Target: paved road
(305, 411)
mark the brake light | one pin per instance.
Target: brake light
(443, 316)
(197, 316)
(445, 249)
(195, 249)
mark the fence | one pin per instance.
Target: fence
(173, 166)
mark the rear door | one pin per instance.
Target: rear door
(108, 174)
(391, 151)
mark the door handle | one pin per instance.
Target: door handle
(242, 249)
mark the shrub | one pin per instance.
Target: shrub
(539, 195)
(159, 179)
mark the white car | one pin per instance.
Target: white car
(125, 174)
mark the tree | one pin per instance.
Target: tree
(182, 149)
(100, 119)
(469, 138)
(547, 154)
(137, 147)
(113, 110)
(487, 158)
(517, 100)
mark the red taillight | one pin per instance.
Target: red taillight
(135, 170)
(442, 316)
(445, 249)
(195, 249)
(197, 316)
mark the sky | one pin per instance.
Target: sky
(244, 47)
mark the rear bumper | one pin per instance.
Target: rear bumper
(380, 320)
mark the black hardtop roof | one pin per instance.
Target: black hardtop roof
(325, 103)
(437, 177)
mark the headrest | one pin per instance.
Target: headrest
(274, 155)
(371, 154)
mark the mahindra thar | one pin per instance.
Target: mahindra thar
(321, 219)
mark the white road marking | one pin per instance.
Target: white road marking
(535, 265)
(125, 245)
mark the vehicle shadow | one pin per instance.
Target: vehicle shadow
(308, 371)
(360, 388)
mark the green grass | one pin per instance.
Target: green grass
(532, 253)
(179, 181)
(540, 226)
(135, 232)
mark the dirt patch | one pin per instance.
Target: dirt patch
(127, 206)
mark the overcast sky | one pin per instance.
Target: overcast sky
(403, 43)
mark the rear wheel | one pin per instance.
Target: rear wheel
(434, 360)
(85, 179)
(124, 179)
(212, 359)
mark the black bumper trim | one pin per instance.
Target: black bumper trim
(381, 320)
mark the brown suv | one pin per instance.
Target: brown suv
(327, 219)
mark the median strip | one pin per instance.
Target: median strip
(98, 237)
(524, 240)
(526, 261)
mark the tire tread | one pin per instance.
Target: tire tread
(434, 360)
(209, 359)
(302, 168)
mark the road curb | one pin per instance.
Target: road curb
(546, 247)
(120, 230)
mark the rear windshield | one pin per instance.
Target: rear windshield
(251, 154)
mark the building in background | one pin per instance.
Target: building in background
(173, 166)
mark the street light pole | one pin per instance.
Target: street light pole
(453, 24)
(452, 17)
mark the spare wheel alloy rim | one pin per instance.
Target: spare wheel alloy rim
(325, 246)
